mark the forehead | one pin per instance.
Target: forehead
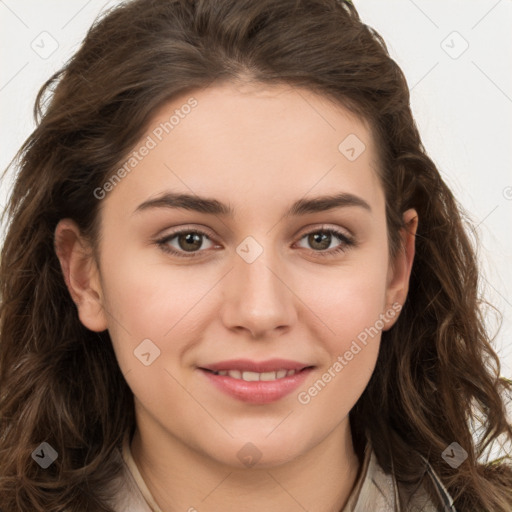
(253, 145)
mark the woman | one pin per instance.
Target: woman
(233, 279)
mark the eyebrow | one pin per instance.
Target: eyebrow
(215, 207)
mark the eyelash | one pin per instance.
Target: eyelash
(347, 242)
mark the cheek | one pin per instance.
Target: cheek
(350, 304)
(357, 329)
(154, 312)
(352, 313)
(348, 300)
(148, 300)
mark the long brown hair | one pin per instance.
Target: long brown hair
(437, 374)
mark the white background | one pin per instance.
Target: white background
(462, 101)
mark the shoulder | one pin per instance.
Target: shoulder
(378, 490)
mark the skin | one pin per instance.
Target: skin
(258, 149)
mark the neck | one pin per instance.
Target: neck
(183, 479)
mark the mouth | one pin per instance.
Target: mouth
(249, 376)
(257, 383)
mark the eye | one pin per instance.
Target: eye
(321, 240)
(187, 240)
(188, 243)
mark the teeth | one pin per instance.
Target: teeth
(268, 376)
(250, 376)
(255, 376)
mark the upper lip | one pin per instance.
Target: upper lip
(270, 365)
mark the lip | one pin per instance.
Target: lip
(257, 392)
(270, 365)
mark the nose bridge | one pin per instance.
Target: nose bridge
(258, 298)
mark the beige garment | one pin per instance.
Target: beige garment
(374, 490)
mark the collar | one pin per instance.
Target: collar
(135, 473)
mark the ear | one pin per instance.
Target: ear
(399, 271)
(80, 274)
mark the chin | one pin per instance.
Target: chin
(262, 452)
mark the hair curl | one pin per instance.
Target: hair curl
(436, 372)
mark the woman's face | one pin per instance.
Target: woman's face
(265, 270)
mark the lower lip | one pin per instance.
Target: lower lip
(257, 392)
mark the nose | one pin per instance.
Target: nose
(257, 297)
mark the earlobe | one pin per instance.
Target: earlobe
(400, 269)
(80, 274)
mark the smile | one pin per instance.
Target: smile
(255, 376)
(256, 387)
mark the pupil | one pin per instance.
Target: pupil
(190, 238)
(317, 238)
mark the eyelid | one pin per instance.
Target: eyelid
(163, 241)
(304, 231)
(346, 238)
(186, 229)
(326, 227)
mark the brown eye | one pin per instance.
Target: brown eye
(184, 241)
(320, 241)
(189, 241)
